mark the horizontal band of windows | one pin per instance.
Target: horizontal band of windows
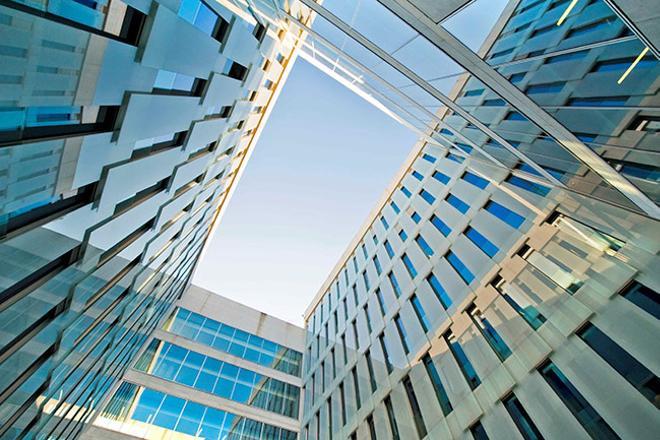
(24, 132)
(141, 196)
(129, 33)
(37, 278)
(126, 242)
(19, 223)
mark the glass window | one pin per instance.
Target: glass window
(627, 366)
(409, 265)
(415, 408)
(377, 265)
(415, 217)
(489, 333)
(440, 225)
(462, 360)
(439, 291)
(478, 432)
(395, 208)
(457, 203)
(643, 297)
(520, 417)
(419, 311)
(370, 370)
(417, 175)
(427, 196)
(406, 192)
(520, 304)
(475, 180)
(402, 235)
(441, 177)
(428, 158)
(386, 355)
(505, 214)
(402, 333)
(388, 248)
(356, 387)
(391, 418)
(482, 242)
(438, 387)
(459, 267)
(528, 186)
(590, 420)
(384, 222)
(424, 246)
(381, 302)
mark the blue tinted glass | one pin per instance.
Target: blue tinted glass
(409, 265)
(505, 214)
(459, 267)
(439, 389)
(491, 335)
(429, 158)
(440, 226)
(379, 269)
(630, 368)
(546, 88)
(643, 297)
(405, 191)
(417, 176)
(424, 245)
(439, 291)
(427, 196)
(441, 177)
(419, 311)
(475, 180)
(388, 248)
(395, 284)
(188, 10)
(464, 363)
(457, 203)
(455, 158)
(402, 235)
(482, 242)
(522, 420)
(528, 186)
(590, 420)
(384, 222)
(415, 217)
(402, 333)
(206, 19)
(395, 207)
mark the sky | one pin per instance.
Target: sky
(323, 160)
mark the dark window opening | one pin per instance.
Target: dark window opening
(234, 70)
(19, 223)
(106, 117)
(131, 28)
(259, 32)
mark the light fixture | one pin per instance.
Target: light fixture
(566, 12)
(632, 66)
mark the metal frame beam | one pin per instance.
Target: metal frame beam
(481, 70)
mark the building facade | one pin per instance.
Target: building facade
(506, 285)
(123, 128)
(215, 369)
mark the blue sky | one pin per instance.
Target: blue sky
(321, 164)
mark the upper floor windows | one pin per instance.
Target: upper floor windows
(427, 196)
(388, 248)
(423, 245)
(409, 265)
(457, 203)
(384, 223)
(441, 177)
(204, 18)
(428, 158)
(235, 70)
(405, 191)
(459, 267)
(440, 225)
(395, 208)
(475, 180)
(508, 216)
(439, 291)
(482, 242)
